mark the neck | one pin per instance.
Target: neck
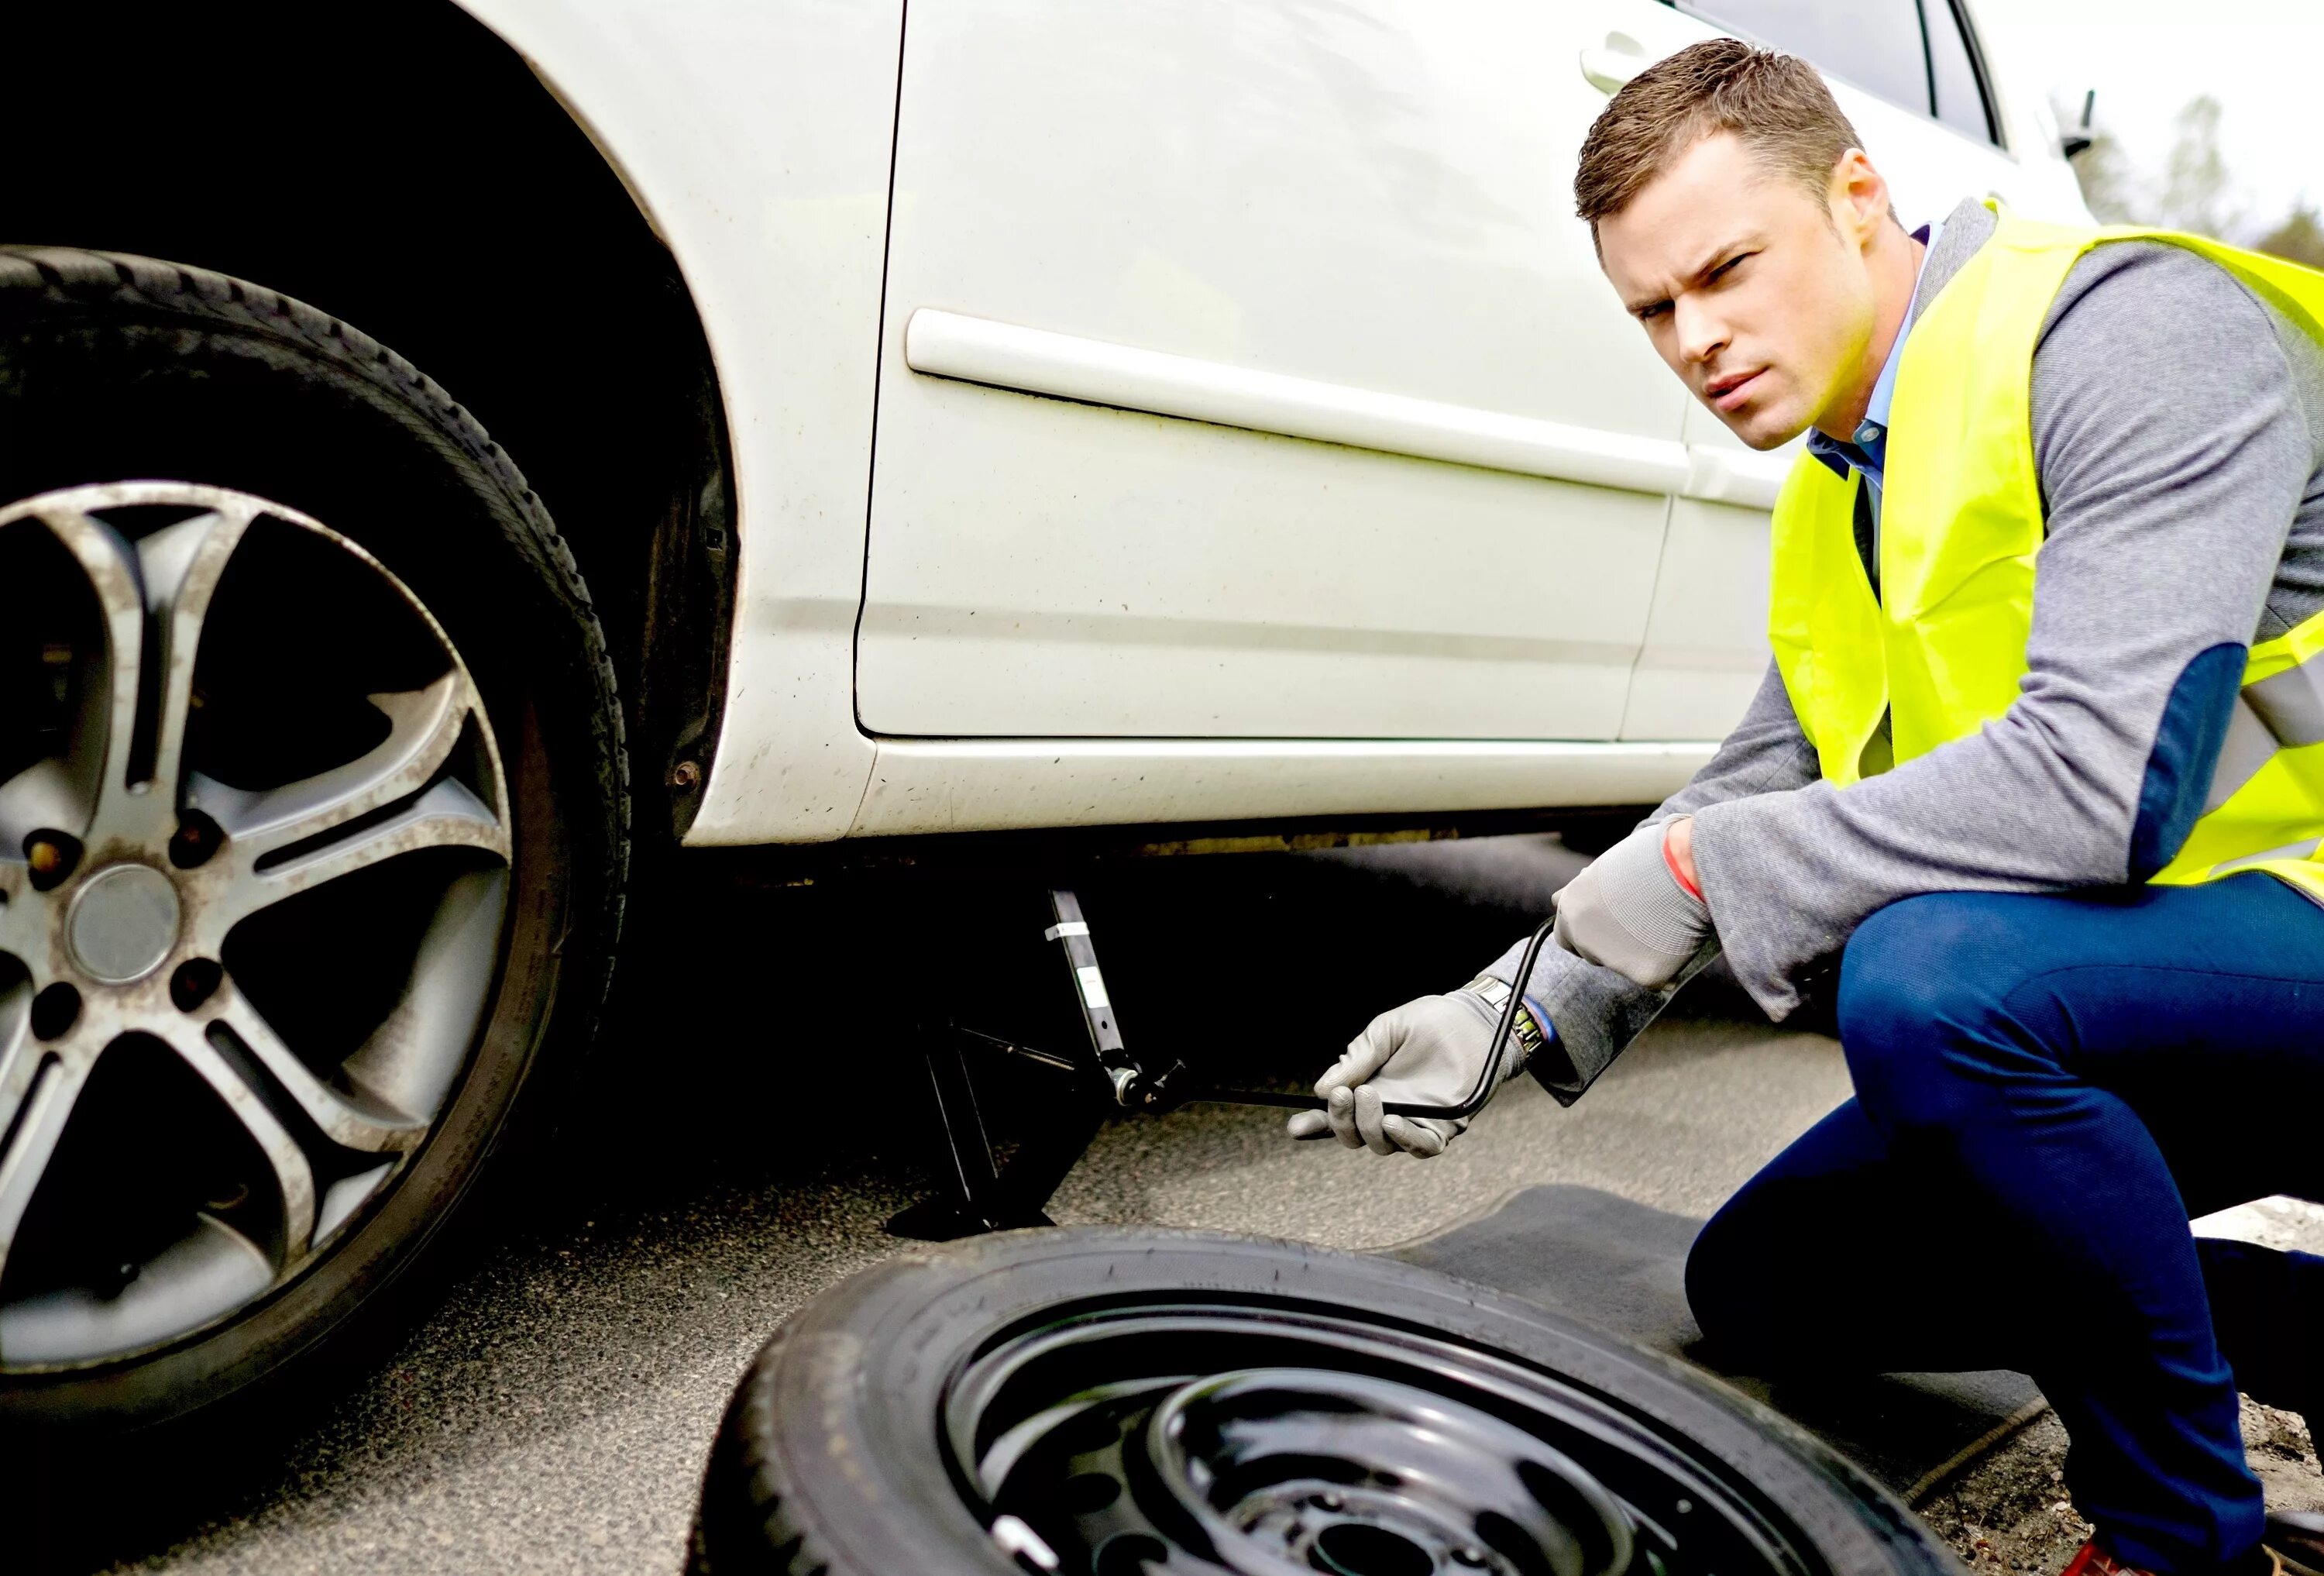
(1895, 265)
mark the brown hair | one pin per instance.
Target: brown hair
(1774, 104)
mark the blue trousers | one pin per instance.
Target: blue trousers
(2047, 1088)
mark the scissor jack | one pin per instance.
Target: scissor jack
(978, 1195)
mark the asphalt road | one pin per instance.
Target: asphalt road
(754, 1117)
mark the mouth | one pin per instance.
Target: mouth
(1726, 393)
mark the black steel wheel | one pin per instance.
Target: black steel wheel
(1103, 1402)
(312, 831)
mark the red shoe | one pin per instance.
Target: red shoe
(2090, 1560)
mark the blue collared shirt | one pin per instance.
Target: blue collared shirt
(1869, 452)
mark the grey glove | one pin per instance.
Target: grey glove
(1627, 912)
(1427, 1051)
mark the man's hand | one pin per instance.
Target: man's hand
(1427, 1051)
(1628, 911)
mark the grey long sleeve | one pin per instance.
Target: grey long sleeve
(2179, 436)
(1599, 1012)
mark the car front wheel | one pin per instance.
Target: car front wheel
(312, 828)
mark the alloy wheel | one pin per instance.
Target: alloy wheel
(255, 856)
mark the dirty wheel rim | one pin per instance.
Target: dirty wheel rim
(1282, 1439)
(253, 870)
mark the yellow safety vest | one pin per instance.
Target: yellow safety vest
(1940, 651)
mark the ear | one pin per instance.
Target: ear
(1860, 198)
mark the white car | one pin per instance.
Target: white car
(993, 414)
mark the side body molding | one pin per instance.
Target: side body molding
(1065, 366)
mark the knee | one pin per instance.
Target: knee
(1729, 1287)
(1921, 1009)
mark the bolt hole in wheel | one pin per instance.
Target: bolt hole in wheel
(54, 1010)
(249, 744)
(195, 983)
(197, 839)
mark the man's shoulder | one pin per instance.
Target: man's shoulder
(2153, 279)
(2131, 284)
(2159, 313)
(2151, 355)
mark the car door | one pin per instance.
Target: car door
(1245, 373)
(1933, 121)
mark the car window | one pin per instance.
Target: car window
(1875, 44)
(1960, 101)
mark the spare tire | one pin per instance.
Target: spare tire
(1103, 1402)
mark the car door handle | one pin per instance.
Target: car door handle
(1609, 67)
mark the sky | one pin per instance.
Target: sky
(2263, 59)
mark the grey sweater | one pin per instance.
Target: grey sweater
(2178, 438)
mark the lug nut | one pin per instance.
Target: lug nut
(51, 855)
(685, 774)
(194, 982)
(198, 837)
(55, 1010)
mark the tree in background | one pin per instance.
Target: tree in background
(2194, 193)
(2300, 238)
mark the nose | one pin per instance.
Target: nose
(1702, 333)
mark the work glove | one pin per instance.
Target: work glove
(1627, 912)
(1427, 1051)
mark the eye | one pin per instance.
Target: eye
(1647, 314)
(1736, 261)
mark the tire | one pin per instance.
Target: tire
(1106, 1401)
(340, 1073)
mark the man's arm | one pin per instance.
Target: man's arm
(2173, 451)
(1598, 1012)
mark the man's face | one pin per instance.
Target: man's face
(1757, 295)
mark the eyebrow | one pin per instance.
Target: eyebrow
(1717, 256)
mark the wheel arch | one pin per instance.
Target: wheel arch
(403, 168)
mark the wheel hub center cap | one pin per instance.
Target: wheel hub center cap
(124, 922)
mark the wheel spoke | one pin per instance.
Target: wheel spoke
(222, 1066)
(447, 815)
(47, 1090)
(23, 926)
(20, 1055)
(130, 739)
(182, 566)
(345, 1117)
(69, 794)
(423, 726)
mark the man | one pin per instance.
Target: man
(2027, 795)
